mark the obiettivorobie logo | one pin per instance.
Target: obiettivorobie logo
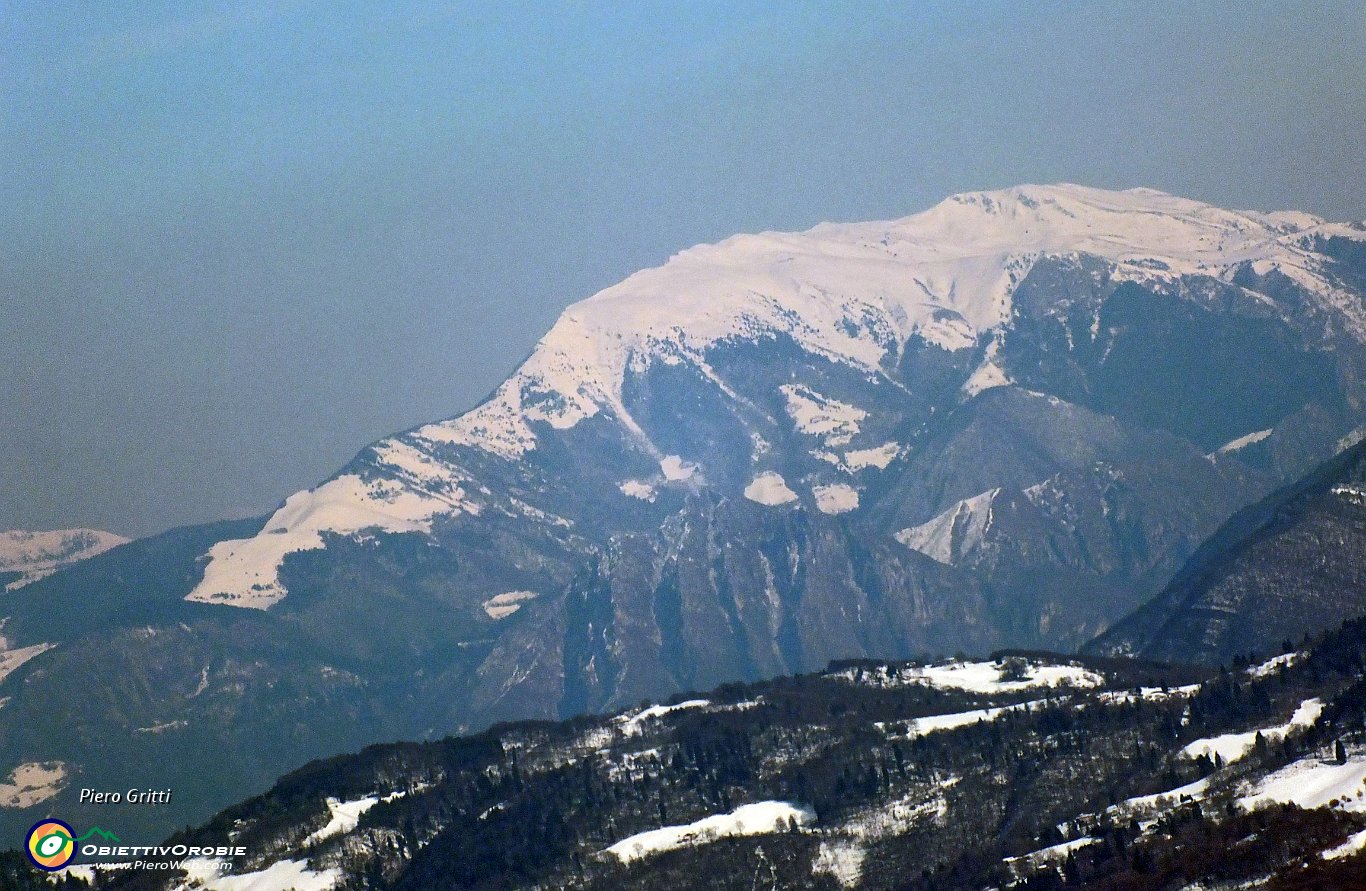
(51, 844)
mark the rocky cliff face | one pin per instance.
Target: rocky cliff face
(1008, 420)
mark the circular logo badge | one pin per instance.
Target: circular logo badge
(51, 844)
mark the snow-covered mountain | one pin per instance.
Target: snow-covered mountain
(1005, 421)
(859, 297)
(28, 556)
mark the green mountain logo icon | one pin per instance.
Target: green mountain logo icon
(102, 833)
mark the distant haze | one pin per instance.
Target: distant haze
(240, 241)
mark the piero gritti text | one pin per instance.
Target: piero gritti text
(127, 796)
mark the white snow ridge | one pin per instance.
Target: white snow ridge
(632, 725)
(1235, 746)
(977, 677)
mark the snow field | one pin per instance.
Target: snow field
(750, 819)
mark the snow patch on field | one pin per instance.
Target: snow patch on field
(1235, 746)
(675, 469)
(1147, 694)
(835, 422)
(283, 875)
(1051, 854)
(500, 606)
(975, 677)
(1274, 664)
(879, 457)
(1242, 442)
(894, 817)
(948, 332)
(32, 783)
(345, 817)
(10, 660)
(1355, 844)
(931, 723)
(989, 375)
(1312, 783)
(841, 860)
(770, 489)
(632, 724)
(413, 466)
(1162, 800)
(39, 554)
(955, 532)
(750, 819)
(835, 499)
(638, 489)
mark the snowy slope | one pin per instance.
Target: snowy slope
(1234, 746)
(39, 554)
(953, 533)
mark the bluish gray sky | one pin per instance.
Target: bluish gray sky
(238, 241)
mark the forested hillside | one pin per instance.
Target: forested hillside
(1028, 770)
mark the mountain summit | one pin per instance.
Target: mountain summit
(1006, 421)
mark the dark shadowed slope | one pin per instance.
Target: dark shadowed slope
(1294, 563)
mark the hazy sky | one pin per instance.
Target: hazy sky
(238, 241)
